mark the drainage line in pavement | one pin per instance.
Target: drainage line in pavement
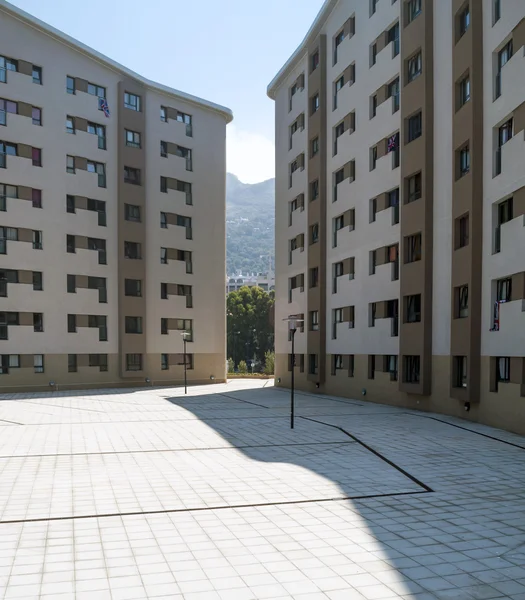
(11, 422)
(146, 513)
(491, 437)
(165, 450)
(379, 455)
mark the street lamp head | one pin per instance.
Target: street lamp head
(185, 334)
(294, 321)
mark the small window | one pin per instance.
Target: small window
(70, 164)
(314, 190)
(411, 369)
(132, 175)
(70, 85)
(71, 284)
(314, 320)
(70, 124)
(36, 198)
(464, 91)
(314, 104)
(72, 363)
(38, 361)
(133, 362)
(133, 324)
(413, 187)
(164, 326)
(96, 90)
(36, 116)
(504, 290)
(70, 243)
(314, 148)
(163, 220)
(133, 287)
(164, 291)
(505, 132)
(37, 75)
(464, 21)
(132, 101)
(391, 366)
(413, 10)
(413, 248)
(132, 213)
(413, 308)
(463, 233)
(373, 54)
(163, 114)
(164, 185)
(314, 277)
(415, 127)
(462, 301)
(36, 157)
(503, 369)
(163, 256)
(496, 11)
(414, 67)
(312, 364)
(38, 322)
(464, 161)
(460, 372)
(314, 233)
(373, 7)
(315, 60)
(132, 250)
(133, 139)
(37, 240)
(164, 362)
(37, 281)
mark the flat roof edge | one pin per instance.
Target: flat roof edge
(62, 37)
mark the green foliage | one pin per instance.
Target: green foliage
(250, 330)
(269, 362)
(243, 367)
(231, 366)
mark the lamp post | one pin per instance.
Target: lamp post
(293, 321)
(184, 335)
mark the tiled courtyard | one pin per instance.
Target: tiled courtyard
(152, 494)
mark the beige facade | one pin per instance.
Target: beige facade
(107, 223)
(400, 206)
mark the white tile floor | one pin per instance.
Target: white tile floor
(150, 494)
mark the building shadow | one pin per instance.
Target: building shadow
(413, 480)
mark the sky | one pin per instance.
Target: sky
(226, 51)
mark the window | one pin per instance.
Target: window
(37, 281)
(164, 291)
(314, 320)
(133, 362)
(132, 175)
(312, 364)
(315, 60)
(133, 324)
(163, 256)
(372, 309)
(411, 371)
(164, 149)
(70, 243)
(132, 213)
(464, 91)
(314, 147)
(464, 161)
(393, 92)
(314, 104)
(37, 75)
(72, 323)
(70, 85)
(36, 116)
(373, 158)
(164, 362)
(505, 132)
(505, 211)
(70, 164)
(391, 366)
(72, 363)
(314, 233)
(464, 21)
(133, 139)
(163, 185)
(132, 101)
(415, 126)
(314, 277)
(414, 67)
(413, 308)
(393, 38)
(36, 198)
(132, 250)
(413, 248)
(373, 7)
(338, 362)
(373, 54)
(36, 157)
(503, 370)
(504, 55)
(504, 290)
(164, 326)
(314, 190)
(96, 90)
(71, 284)
(70, 204)
(496, 11)
(371, 366)
(373, 106)
(163, 114)
(413, 10)
(462, 302)
(460, 372)
(38, 362)
(38, 322)
(413, 186)
(463, 233)
(37, 240)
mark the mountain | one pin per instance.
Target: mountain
(250, 225)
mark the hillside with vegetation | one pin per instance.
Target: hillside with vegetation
(250, 224)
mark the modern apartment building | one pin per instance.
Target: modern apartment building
(400, 206)
(112, 201)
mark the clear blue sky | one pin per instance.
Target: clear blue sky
(225, 51)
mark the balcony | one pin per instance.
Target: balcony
(508, 341)
(512, 87)
(509, 160)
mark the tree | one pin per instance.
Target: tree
(231, 366)
(269, 363)
(250, 331)
(243, 367)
